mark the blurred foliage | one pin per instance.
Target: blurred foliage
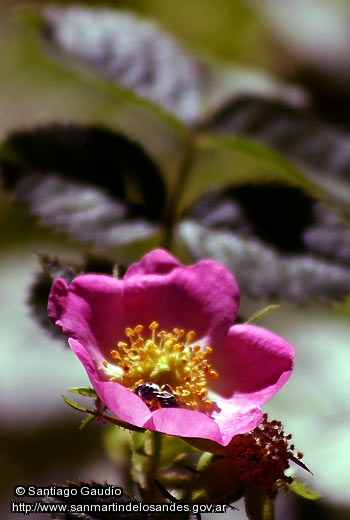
(300, 256)
(38, 457)
(260, 181)
(103, 188)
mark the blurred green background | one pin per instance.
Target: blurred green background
(302, 42)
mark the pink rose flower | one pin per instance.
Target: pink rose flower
(161, 349)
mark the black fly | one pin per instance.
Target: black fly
(157, 397)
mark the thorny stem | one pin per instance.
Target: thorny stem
(185, 167)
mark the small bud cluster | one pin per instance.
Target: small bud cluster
(262, 456)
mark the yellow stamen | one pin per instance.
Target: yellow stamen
(168, 359)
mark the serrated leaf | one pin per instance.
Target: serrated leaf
(302, 490)
(105, 417)
(74, 405)
(322, 153)
(94, 184)
(97, 506)
(138, 57)
(130, 52)
(259, 232)
(87, 391)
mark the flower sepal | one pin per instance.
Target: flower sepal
(87, 391)
(98, 413)
(301, 489)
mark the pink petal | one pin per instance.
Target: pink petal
(125, 405)
(96, 309)
(185, 423)
(89, 310)
(233, 420)
(253, 364)
(129, 408)
(157, 261)
(198, 297)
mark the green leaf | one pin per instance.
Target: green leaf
(93, 505)
(238, 160)
(261, 313)
(98, 186)
(320, 153)
(74, 405)
(101, 415)
(262, 234)
(86, 391)
(302, 490)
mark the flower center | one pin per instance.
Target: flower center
(169, 361)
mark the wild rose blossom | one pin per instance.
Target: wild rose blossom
(173, 326)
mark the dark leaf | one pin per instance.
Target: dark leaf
(54, 268)
(147, 65)
(130, 52)
(98, 186)
(328, 236)
(262, 233)
(39, 291)
(322, 152)
(92, 506)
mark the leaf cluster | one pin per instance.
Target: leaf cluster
(275, 213)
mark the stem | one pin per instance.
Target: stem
(261, 313)
(145, 460)
(128, 481)
(185, 167)
(269, 509)
(154, 455)
(258, 505)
